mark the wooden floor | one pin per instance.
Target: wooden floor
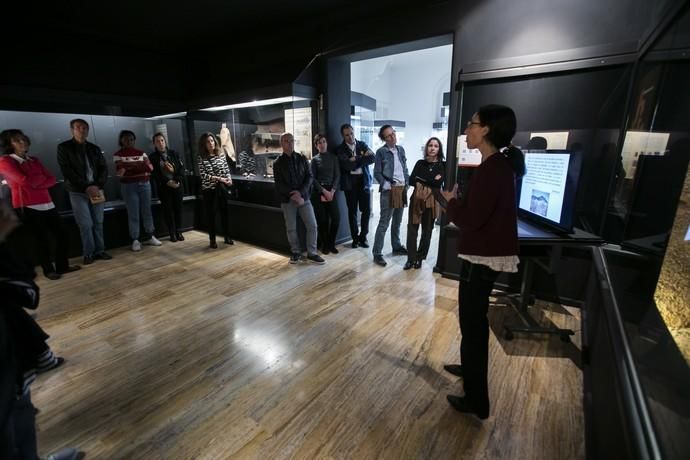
(185, 352)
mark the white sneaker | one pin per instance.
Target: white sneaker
(136, 246)
(153, 241)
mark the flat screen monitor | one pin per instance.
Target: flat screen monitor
(548, 189)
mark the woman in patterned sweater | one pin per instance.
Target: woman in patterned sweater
(215, 178)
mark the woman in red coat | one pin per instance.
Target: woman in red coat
(486, 217)
(29, 182)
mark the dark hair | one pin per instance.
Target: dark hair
(6, 140)
(203, 153)
(158, 134)
(318, 137)
(345, 126)
(537, 143)
(384, 127)
(440, 147)
(502, 125)
(78, 120)
(123, 133)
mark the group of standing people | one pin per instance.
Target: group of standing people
(85, 174)
(347, 169)
(485, 214)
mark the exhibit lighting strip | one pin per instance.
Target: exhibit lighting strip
(169, 115)
(275, 100)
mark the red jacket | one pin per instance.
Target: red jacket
(487, 215)
(28, 181)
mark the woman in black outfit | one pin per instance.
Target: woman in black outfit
(215, 178)
(426, 179)
(325, 168)
(487, 243)
(168, 172)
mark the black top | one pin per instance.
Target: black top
(160, 174)
(326, 171)
(363, 158)
(72, 158)
(426, 173)
(292, 172)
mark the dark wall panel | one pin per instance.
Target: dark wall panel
(505, 29)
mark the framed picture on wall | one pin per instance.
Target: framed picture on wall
(466, 156)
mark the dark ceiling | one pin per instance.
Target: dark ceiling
(186, 50)
(167, 26)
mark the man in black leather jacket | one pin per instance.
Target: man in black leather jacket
(85, 172)
(293, 185)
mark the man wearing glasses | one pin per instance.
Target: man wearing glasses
(390, 170)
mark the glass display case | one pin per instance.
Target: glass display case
(249, 131)
(440, 128)
(653, 203)
(585, 119)
(362, 114)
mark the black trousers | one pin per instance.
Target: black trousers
(476, 283)
(414, 253)
(358, 197)
(23, 420)
(171, 207)
(328, 220)
(214, 202)
(47, 230)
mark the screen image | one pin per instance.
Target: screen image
(547, 191)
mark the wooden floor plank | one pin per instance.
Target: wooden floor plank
(184, 352)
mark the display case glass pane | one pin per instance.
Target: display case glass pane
(580, 111)
(250, 133)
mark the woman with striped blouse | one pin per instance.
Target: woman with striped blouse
(215, 178)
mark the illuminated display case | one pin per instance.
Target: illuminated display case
(362, 114)
(249, 130)
(249, 127)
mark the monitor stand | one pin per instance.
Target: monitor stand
(525, 298)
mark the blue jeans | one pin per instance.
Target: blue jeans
(89, 218)
(137, 196)
(306, 212)
(384, 221)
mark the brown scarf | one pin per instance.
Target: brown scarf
(422, 199)
(398, 196)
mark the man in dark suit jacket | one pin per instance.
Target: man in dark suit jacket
(355, 180)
